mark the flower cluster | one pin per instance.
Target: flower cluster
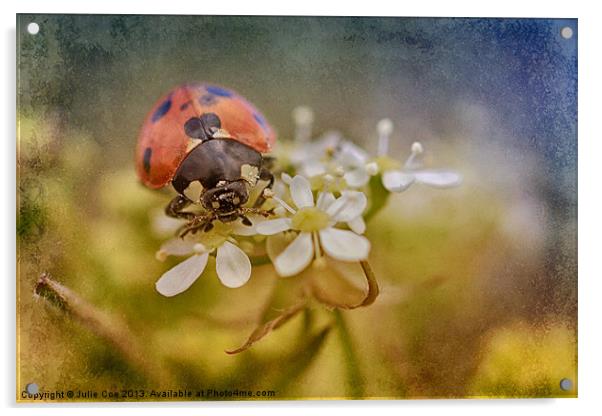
(318, 204)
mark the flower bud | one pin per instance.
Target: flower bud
(161, 255)
(417, 148)
(385, 127)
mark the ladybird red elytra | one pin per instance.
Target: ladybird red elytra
(209, 143)
(163, 142)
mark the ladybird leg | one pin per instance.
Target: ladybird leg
(245, 220)
(199, 222)
(265, 175)
(175, 207)
(263, 212)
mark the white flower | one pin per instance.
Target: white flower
(395, 177)
(357, 224)
(357, 164)
(315, 224)
(232, 264)
(311, 158)
(398, 180)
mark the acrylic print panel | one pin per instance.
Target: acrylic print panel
(271, 208)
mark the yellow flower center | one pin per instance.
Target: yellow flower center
(386, 163)
(310, 219)
(335, 184)
(217, 236)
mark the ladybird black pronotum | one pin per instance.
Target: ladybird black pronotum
(210, 144)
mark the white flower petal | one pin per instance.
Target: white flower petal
(177, 247)
(296, 257)
(238, 228)
(181, 277)
(356, 178)
(344, 244)
(329, 140)
(315, 150)
(337, 206)
(349, 206)
(355, 203)
(280, 211)
(276, 244)
(232, 265)
(396, 180)
(286, 178)
(352, 155)
(244, 230)
(438, 178)
(312, 168)
(357, 225)
(271, 227)
(164, 226)
(325, 199)
(301, 192)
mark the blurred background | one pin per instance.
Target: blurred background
(479, 283)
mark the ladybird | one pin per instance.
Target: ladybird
(210, 144)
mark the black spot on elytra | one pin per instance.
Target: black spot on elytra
(148, 152)
(161, 110)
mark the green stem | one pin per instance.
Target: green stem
(307, 320)
(378, 197)
(300, 360)
(355, 381)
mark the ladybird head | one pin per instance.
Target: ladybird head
(226, 199)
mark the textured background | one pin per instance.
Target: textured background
(479, 283)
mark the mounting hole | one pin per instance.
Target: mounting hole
(33, 28)
(566, 384)
(32, 388)
(566, 32)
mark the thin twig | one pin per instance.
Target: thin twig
(372, 284)
(371, 292)
(264, 329)
(107, 327)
